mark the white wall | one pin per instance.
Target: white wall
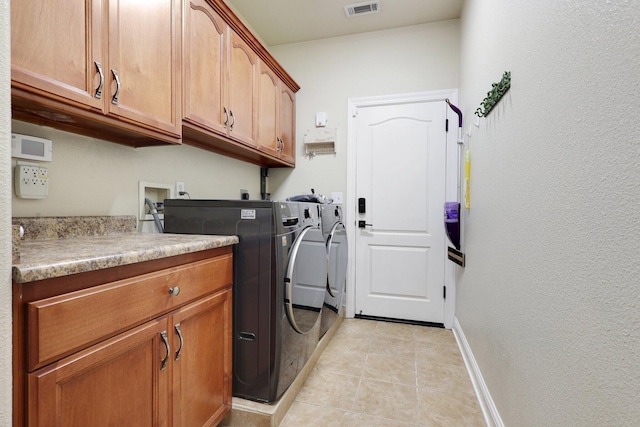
(5, 215)
(330, 71)
(550, 297)
(93, 177)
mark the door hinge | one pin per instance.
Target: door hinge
(444, 292)
(354, 112)
(446, 125)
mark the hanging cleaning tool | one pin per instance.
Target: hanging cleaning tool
(452, 209)
(467, 175)
(459, 113)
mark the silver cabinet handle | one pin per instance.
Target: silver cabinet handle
(226, 118)
(175, 291)
(233, 120)
(98, 93)
(114, 100)
(163, 364)
(179, 332)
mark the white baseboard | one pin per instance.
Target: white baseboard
(489, 410)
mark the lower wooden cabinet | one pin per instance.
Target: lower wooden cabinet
(169, 368)
(117, 383)
(202, 361)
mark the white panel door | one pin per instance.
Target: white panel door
(400, 173)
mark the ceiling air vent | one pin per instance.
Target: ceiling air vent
(362, 8)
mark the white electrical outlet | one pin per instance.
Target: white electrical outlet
(31, 181)
(179, 188)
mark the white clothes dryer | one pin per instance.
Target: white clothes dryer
(335, 235)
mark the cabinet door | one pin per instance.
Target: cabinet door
(268, 84)
(88, 388)
(202, 361)
(55, 46)
(287, 124)
(144, 69)
(241, 90)
(205, 34)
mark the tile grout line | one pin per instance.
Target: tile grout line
(353, 404)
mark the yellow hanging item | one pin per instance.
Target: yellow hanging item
(467, 169)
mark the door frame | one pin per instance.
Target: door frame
(451, 184)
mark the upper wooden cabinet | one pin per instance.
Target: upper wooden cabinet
(151, 72)
(99, 67)
(143, 74)
(219, 77)
(287, 123)
(205, 36)
(241, 90)
(276, 116)
(232, 88)
(268, 84)
(59, 60)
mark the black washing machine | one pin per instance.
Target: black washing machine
(278, 281)
(335, 235)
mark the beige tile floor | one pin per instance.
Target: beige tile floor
(387, 375)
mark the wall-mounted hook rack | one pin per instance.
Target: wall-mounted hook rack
(494, 95)
(320, 141)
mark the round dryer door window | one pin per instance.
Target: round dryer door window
(306, 279)
(337, 250)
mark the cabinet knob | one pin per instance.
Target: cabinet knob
(175, 291)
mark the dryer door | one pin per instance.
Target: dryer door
(337, 253)
(306, 279)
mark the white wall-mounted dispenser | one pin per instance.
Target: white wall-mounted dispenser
(321, 119)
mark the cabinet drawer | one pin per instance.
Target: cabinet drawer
(61, 325)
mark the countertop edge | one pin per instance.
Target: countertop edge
(130, 253)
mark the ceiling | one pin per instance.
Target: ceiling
(279, 22)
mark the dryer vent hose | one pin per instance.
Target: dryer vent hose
(154, 213)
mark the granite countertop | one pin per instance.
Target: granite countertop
(45, 258)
